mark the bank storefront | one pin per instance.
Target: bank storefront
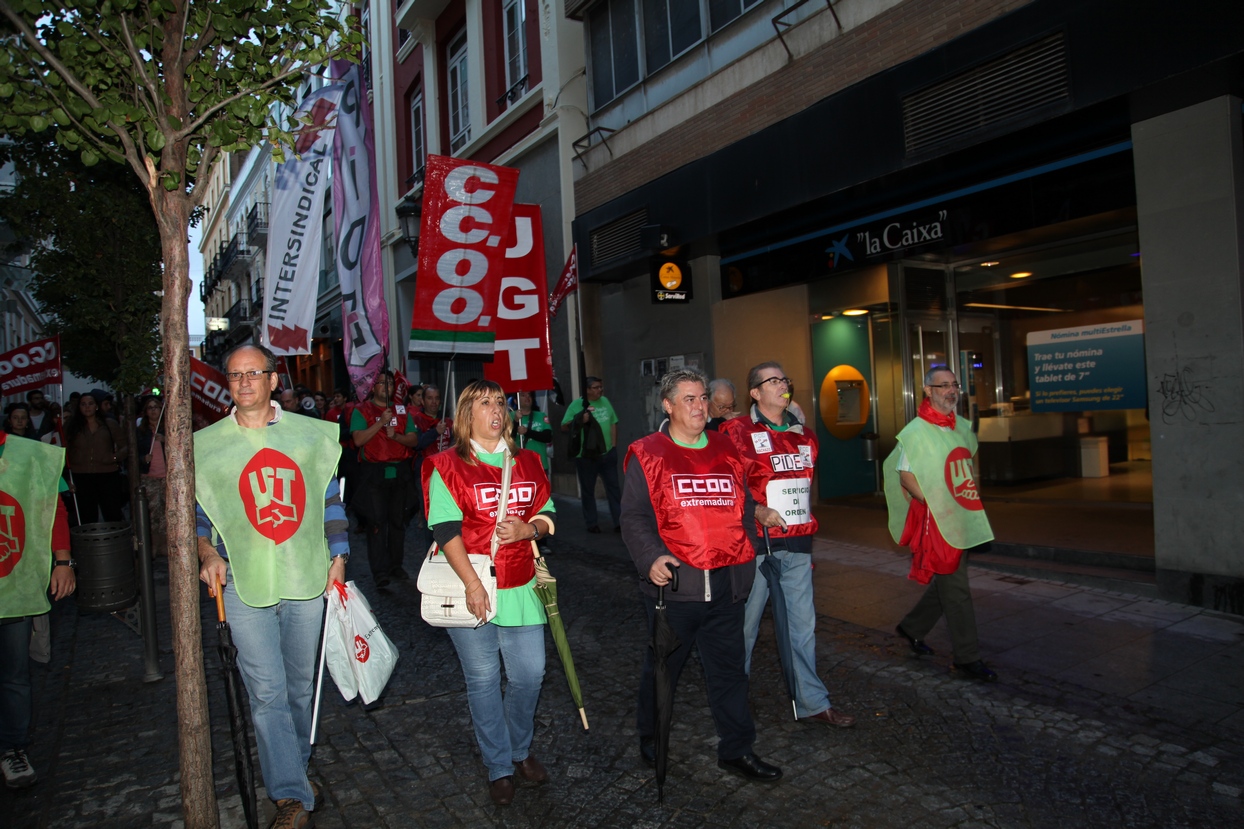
(1027, 285)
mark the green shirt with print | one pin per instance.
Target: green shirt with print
(602, 410)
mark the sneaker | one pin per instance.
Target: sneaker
(290, 814)
(17, 771)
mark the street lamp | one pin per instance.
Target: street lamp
(410, 215)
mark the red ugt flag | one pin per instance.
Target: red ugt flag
(566, 284)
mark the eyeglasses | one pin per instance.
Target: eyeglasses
(944, 386)
(777, 381)
(236, 376)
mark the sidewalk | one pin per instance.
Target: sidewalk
(1111, 710)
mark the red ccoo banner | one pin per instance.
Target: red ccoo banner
(466, 217)
(209, 391)
(31, 366)
(523, 361)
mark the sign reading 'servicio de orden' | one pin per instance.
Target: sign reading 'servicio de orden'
(1100, 366)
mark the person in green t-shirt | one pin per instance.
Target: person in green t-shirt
(603, 466)
(532, 427)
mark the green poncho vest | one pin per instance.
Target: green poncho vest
(941, 460)
(29, 475)
(263, 491)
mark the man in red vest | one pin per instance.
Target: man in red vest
(780, 460)
(386, 436)
(685, 504)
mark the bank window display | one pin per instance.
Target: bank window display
(1051, 351)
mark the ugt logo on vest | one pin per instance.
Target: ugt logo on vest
(362, 651)
(274, 494)
(12, 533)
(959, 479)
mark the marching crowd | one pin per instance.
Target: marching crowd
(718, 496)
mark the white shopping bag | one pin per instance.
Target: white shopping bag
(360, 657)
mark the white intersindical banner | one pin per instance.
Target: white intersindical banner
(295, 230)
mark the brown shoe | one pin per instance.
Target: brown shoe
(501, 791)
(531, 770)
(291, 815)
(831, 717)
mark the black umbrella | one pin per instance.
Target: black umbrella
(664, 643)
(238, 728)
(780, 625)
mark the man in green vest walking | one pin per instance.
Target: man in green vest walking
(265, 534)
(34, 557)
(935, 508)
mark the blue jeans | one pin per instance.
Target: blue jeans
(15, 697)
(787, 578)
(503, 725)
(606, 466)
(277, 648)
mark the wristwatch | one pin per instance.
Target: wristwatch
(68, 562)
(535, 527)
(345, 558)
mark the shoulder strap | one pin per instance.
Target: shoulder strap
(507, 465)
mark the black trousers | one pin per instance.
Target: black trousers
(716, 629)
(387, 503)
(99, 492)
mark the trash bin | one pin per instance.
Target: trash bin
(106, 577)
(1094, 457)
(870, 445)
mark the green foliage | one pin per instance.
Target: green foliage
(95, 252)
(165, 83)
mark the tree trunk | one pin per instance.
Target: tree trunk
(172, 210)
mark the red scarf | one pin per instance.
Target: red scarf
(927, 412)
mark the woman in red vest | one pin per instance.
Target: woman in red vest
(463, 488)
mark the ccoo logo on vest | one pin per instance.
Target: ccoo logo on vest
(959, 479)
(522, 494)
(274, 493)
(12, 533)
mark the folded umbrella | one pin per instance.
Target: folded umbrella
(546, 590)
(238, 728)
(664, 643)
(780, 624)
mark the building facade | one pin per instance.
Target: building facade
(1044, 195)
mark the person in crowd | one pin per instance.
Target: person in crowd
(414, 398)
(590, 465)
(722, 405)
(461, 524)
(532, 427)
(289, 400)
(385, 436)
(275, 554)
(436, 433)
(321, 404)
(669, 519)
(95, 445)
(935, 508)
(30, 476)
(107, 405)
(780, 458)
(18, 422)
(42, 419)
(336, 407)
(152, 466)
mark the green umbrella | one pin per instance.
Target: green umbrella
(546, 589)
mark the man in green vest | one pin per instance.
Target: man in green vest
(34, 556)
(268, 538)
(935, 507)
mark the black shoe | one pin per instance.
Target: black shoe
(751, 767)
(975, 670)
(382, 582)
(648, 751)
(399, 575)
(594, 529)
(917, 645)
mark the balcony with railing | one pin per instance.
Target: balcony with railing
(236, 258)
(257, 224)
(243, 319)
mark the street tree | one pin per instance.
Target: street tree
(166, 87)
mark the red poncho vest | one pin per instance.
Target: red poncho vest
(380, 449)
(477, 490)
(779, 471)
(697, 496)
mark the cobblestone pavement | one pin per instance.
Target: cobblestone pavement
(1046, 746)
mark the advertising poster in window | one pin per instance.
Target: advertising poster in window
(1088, 367)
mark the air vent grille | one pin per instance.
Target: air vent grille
(618, 238)
(1001, 90)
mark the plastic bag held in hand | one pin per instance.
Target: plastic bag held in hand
(360, 657)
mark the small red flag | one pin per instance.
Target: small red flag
(566, 284)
